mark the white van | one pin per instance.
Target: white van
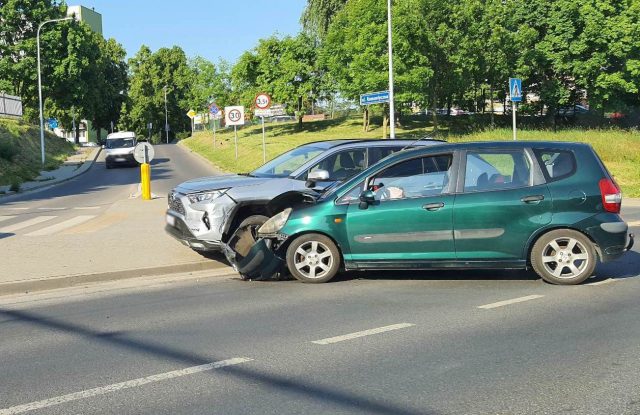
(119, 147)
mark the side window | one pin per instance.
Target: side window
(556, 164)
(343, 164)
(353, 195)
(378, 153)
(497, 170)
(420, 177)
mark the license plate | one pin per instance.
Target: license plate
(171, 220)
(120, 159)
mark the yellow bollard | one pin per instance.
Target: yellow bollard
(145, 178)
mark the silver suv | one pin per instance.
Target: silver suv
(205, 212)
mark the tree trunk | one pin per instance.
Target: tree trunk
(365, 119)
(493, 125)
(76, 135)
(98, 132)
(435, 116)
(385, 121)
(300, 112)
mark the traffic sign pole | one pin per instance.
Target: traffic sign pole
(235, 139)
(264, 143)
(514, 105)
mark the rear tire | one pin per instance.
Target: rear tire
(313, 258)
(563, 257)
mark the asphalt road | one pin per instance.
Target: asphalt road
(92, 225)
(385, 343)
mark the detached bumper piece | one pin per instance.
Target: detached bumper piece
(258, 263)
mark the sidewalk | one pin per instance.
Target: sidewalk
(72, 167)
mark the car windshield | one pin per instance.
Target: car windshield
(287, 163)
(119, 142)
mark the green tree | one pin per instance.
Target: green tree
(150, 74)
(318, 15)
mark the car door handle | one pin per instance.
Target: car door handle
(433, 206)
(532, 199)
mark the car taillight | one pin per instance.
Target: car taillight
(611, 196)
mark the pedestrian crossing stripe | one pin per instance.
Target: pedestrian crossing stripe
(49, 230)
(25, 224)
(3, 218)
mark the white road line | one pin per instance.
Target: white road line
(18, 208)
(19, 409)
(512, 301)
(603, 282)
(357, 334)
(634, 223)
(49, 230)
(2, 218)
(26, 224)
(52, 208)
(86, 207)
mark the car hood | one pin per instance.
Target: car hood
(221, 182)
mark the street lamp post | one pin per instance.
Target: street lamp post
(166, 114)
(40, 82)
(392, 116)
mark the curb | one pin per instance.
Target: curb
(51, 183)
(21, 287)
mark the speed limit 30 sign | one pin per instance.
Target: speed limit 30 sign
(234, 115)
(262, 101)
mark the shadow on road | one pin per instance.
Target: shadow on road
(628, 266)
(277, 383)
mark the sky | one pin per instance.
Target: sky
(213, 29)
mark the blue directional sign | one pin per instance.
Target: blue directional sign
(213, 109)
(515, 89)
(374, 98)
(53, 123)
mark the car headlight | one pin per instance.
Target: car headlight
(275, 223)
(206, 196)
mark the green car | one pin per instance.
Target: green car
(549, 206)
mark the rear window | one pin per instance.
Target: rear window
(556, 164)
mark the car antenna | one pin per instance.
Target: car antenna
(420, 139)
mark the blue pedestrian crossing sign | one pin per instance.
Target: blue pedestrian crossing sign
(515, 89)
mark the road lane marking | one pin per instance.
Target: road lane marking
(86, 207)
(512, 301)
(49, 230)
(634, 223)
(2, 218)
(52, 208)
(26, 224)
(19, 409)
(18, 208)
(603, 282)
(363, 333)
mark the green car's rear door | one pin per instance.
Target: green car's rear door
(501, 202)
(412, 217)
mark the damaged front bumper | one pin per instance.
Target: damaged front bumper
(260, 262)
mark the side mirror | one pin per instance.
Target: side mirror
(316, 176)
(367, 198)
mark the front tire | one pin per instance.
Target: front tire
(313, 258)
(563, 257)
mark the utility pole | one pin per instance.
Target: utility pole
(392, 115)
(40, 82)
(166, 114)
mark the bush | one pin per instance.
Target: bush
(15, 187)
(7, 151)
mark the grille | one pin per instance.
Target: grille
(175, 203)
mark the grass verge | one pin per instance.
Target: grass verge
(20, 152)
(619, 149)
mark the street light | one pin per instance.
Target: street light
(166, 114)
(40, 81)
(392, 120)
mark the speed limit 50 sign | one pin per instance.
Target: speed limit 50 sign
(234, 115)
